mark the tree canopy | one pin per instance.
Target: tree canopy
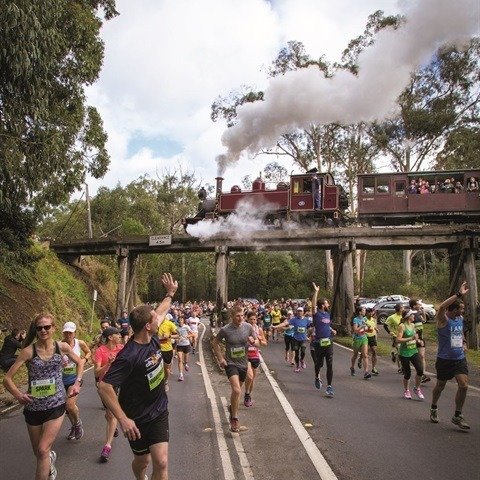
(49, 137)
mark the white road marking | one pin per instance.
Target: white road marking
(318, 460)
(222, 444)
(247, 471)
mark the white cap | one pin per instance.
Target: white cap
(70, 327)
(407, 313)
(299, 308)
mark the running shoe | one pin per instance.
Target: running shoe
(407, 395)
(292, 363)
(318, 384)
(297, 369)
(434, 415)
(187, 368)
(460, 421)
(180, 377)
(367, 376)
(374, 371)
(115, 433)
(105, 453)
(425, 379)
(234, 425)
(53, 470)
(329, 391)
(248, 402)
(418, 393)
(71, 435)
(304, 365)
(78, 429)
(352, 371)
(359, 362)
(394, 356)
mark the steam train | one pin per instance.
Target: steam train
(383, 199)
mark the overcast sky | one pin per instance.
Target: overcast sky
(166, 61)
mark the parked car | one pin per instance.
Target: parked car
(386, 308)
(385, 298)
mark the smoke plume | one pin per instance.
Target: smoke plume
(302, 97)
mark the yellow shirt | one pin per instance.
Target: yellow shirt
(371, 324)
(276, 315)
(167, 328)
(393, 321)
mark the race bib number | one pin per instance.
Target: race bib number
(325, 342)
(70, 369)
(411, 344)
(237, 352)
(456, 339)
(43, 388)
(155, 377)
(301, 329)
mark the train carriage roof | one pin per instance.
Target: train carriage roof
(422, 173)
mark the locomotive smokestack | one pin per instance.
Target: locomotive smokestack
(219, 181)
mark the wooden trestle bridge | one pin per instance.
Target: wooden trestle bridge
(462, 242)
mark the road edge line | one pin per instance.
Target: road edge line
(318, 460)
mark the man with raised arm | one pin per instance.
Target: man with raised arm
(138, 370)
(451, 361)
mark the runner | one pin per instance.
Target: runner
(391, 325)
(372, 331)
(276, 315)
(166, 332)
(323, 340)
(266, 321)
(142, 405)
(104, 357)
(192, 322)
(238, 335)
(408, 353)
(451, 361)
(183, 346)
(253, 355)
(288, 339)
(420, 319)
(301, 324)
(69, 378)
(360, 342)
(45, 398)
(124, 326)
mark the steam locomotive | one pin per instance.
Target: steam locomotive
(383, 199)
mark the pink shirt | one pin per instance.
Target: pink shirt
(103, 353)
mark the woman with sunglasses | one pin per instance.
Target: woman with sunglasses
(46, 397)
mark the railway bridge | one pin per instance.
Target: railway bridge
(462, 242)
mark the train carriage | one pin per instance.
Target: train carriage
(400, 198)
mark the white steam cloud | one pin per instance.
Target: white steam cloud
(247, 218)
(302, 97)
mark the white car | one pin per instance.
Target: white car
(386, 298)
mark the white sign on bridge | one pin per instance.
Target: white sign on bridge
(159, 240)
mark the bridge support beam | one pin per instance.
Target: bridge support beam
(122, 258)
(343, 294)
(131, 296)
(221, 265)
(463, 268)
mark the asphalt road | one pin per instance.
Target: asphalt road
(367, 431)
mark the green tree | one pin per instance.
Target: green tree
(49, 137)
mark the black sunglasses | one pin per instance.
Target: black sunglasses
(43, 327)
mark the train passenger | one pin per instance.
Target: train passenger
(412, 188)
(458, 187)
(472, 185)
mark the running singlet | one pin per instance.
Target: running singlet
(276, 315)
(183, 333)
(45, 383)
(450, 340)
(253, 352)
(167, 328)
(102, 353)
(360, 322)
(371, 324)
(323, 333)
(69, 367)
(236, 343)
(300, 326)
(408, 348)
(138, 371)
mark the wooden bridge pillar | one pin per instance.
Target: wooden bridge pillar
(221, 264)
(462, 268)
(122, 258)
(131, 296)
(343, 294)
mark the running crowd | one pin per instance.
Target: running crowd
(132, 363)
